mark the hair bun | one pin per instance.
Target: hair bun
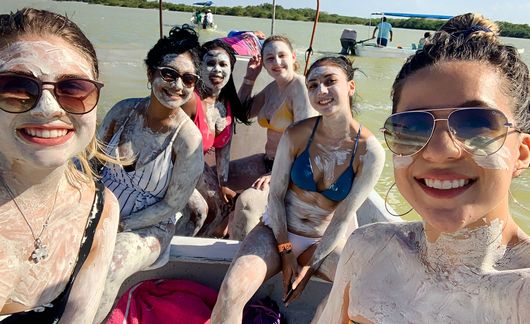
(471, 25)
(184, 32)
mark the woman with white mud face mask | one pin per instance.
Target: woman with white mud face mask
(57, 225)
(324, 169)
(281, 103)
(214, 108)
(165, 149)
(459, 136)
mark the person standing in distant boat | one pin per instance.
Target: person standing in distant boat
(384, 34)
(208, 20)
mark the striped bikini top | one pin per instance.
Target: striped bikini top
(143, 186)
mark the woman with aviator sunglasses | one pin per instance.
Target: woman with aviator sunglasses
(459, 134)
(166, 153)
(58, 226)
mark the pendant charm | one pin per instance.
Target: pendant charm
(40, 253)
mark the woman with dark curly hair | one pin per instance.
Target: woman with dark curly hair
(165, 149)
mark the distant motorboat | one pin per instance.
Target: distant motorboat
(350, 44)
(374, 50)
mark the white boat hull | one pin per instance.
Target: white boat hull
(381, 52)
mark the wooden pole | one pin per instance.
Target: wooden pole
(160, 18)
(273, 16)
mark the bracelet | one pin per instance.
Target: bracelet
(248, 81)
(285, 248)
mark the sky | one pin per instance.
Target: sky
(514, 11)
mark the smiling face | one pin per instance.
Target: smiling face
(449, 187)
(46, 136)
(329, 89)
(278, 60)
(215, 69)
(172, 95)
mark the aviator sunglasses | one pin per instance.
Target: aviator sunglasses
(171, 75)
(21, 93)
(479, 131)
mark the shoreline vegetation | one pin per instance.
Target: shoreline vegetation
(305, 14)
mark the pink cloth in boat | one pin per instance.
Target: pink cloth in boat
(162, 301)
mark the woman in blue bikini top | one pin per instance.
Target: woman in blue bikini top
(325, 167)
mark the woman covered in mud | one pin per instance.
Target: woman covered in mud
(459, 134)
(324, 169)
(58, 226)
(277, 106)
(166, 153)
(214, 109)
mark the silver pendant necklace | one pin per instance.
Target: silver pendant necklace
(40, 251)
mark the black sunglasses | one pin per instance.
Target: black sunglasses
(479, 131)
(171, 75)
(21, 93)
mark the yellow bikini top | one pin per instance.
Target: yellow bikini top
(281, 119)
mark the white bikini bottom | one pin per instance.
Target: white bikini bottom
(300, 243)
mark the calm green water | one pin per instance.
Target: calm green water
(123, 36)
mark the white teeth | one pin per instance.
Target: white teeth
(445, 184)
(44, 133)
(325, 102)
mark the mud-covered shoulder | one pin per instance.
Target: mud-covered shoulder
(375, 238)
(116, 116)
(298, 132)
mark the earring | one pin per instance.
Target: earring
(387, 206)
(517, 202)
(149, 86)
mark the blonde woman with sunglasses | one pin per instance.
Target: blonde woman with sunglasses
(166, 153)
(459, 134)
(57, 225)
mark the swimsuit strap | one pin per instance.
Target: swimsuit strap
(313, 133)
(356, 144)
(115, 139)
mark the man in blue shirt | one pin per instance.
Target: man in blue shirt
(385, 30)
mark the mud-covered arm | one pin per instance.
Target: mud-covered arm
(88, 286)
(252, 104)
(302, 108)
(279, 185)
(336, 308)
(222, 162)
(370, 168)
(187, 168)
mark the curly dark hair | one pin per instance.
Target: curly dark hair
(181, 39)
(471, 37)
(229, 92)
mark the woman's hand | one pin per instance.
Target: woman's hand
(253, 68)
(299, 283)
(290, 270)
(227, 194)
(262, 182)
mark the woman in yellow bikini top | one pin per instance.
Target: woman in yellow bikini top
(281, 103)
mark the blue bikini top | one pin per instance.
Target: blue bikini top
(302, 173)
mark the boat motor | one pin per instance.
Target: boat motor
(348, 40)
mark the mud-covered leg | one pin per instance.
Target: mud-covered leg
(133, 252)
(250, 205)
(193, 216)
(256, 261)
